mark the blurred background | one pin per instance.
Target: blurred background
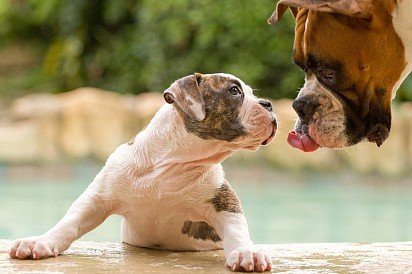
(78, 78)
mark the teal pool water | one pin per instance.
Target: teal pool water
(281, 207)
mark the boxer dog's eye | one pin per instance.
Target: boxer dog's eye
(327, 75)
(235, 90)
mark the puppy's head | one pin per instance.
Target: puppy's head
(353, 61)
(222, 107)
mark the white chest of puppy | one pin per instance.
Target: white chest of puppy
(167, 183)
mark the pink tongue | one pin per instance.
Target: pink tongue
(302, 142)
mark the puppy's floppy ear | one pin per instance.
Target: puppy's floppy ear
(354, 8)
(185, 93)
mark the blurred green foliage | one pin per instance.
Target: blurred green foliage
(137, 45)
(144, 45)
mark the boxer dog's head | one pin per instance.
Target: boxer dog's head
(222, 107)
(353, 61)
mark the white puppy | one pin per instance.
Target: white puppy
(168, 183)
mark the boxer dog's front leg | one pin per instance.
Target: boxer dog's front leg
(231, 225)
(85, 214)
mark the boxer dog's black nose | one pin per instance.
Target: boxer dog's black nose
(266, 104)
(305, 107)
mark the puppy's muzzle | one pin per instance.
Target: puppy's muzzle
(268, 106)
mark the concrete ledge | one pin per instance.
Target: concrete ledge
(97, 257)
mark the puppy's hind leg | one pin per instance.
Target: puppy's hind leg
(231, 226)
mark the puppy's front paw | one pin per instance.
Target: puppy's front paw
(248, 260)
(33, 248)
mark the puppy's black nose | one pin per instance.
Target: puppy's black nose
(305, 107)
(266, 104)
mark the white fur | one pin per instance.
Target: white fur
(402, 22)
(163, 179)
(197, 109)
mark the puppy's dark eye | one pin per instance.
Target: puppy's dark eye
(235, 90)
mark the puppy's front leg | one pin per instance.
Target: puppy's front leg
(232, 226)
(86, 213)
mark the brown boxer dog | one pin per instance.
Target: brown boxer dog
(355, 54)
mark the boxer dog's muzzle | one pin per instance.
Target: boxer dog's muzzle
(353, 61)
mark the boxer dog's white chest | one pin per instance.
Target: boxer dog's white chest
(402, 22)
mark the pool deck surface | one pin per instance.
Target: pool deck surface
(102, 257)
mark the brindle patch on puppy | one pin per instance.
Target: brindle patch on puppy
(200, 230)
(226, 199)
(221, 108)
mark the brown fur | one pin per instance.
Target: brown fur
(364, 51)
(222, 120)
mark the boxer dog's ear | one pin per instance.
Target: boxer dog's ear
(280, 10)
(358, 8)
(185, 93)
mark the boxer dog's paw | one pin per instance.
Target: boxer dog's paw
(32, 248)
(248, 260)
